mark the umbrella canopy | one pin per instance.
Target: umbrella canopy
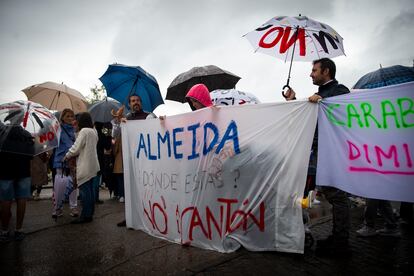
(170, 108)
(101, 111)
(210, 75)
(55, 96)
(314, 40)
(232, 97)
(386, 76)
(25, 117)
(280, 36)
(121, 81)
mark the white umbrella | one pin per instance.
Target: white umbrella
(298, 38)
(55, 96)
(170, 108)
(232, 97)
(314, 40)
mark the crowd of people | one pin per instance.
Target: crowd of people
(91, 154)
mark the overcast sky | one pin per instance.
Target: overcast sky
(73, 41)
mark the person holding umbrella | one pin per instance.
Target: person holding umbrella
(323, 75)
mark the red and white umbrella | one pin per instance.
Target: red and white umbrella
(23, 118)
(297, 38)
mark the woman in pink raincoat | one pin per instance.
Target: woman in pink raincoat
(198, 97)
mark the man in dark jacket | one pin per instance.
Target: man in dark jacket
(136, 113)
(16, 152)
(323, 75)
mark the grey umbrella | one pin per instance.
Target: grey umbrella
(101, 111)
(210, 75)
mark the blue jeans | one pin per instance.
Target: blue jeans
(96, 182)
(15, 189)
(87, 195)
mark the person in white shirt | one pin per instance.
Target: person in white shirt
(87, 165)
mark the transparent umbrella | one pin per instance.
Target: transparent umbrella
(24, 121)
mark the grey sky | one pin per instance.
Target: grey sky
(74, 41)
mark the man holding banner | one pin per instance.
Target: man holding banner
(135, 105)
(323, 75)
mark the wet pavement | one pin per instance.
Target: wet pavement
(100, 247)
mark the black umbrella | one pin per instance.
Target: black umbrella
(210, 75)
(386, 76)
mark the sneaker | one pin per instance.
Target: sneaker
(57, 214)
(390, 232)
(121, 224)
(74, 212)
(36, 196)
(405, 221)
(366, 231)
(4, 236)
(122, 199)
(19, 236)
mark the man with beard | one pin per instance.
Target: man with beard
(136, 113)
(323, 75)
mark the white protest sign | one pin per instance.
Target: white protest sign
(366, 143)
(221, 177)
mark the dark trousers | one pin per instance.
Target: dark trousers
(340, 211)
(120, 190)
(406, 211)
(385, 209)
(87, 195)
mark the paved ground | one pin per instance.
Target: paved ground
(60, 248)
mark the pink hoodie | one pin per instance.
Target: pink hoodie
(200, 93)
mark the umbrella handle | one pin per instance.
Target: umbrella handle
(283, 90)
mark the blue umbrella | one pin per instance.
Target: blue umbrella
(121, 81)
(386, 76)
(101, 111)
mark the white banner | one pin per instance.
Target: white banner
(366, 143)
(221, 177)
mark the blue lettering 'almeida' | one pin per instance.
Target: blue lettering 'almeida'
(177, 143)
(165, 139)
(211, 137)
(194, 154)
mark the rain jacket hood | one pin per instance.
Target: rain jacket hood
(200, 93)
